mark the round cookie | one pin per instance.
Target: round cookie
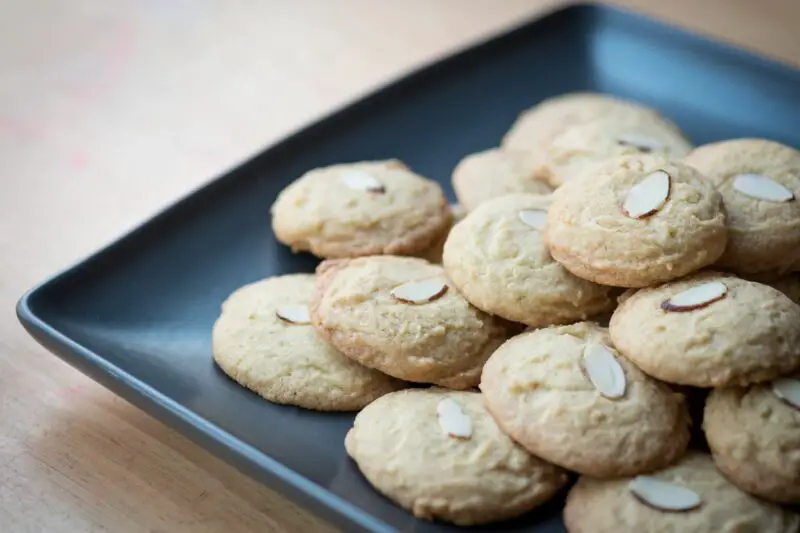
(284, 359)
(635, 221)
(400, 315)
(709, 330)
(611, 506)
(485, 175)
(754, 436)
(536, 127)
(357, 209)
(434, 253)
(498, 260)
(552, 391)
(440, 455)
(585, 145)
(789, 285)
(763, 214)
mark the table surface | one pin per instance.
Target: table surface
(111, 110)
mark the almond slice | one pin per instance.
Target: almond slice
(359, 180)
(647, 196)
(294, 313)
(788, 390)
(419, 292)
(663, 495)
(643, 143)
(762, 188)
(453, 420)
(696, 297)
(535, 218)
(604, 371)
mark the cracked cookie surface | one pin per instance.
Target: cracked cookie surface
(750, 334)
(589, 232)
(444, 341)
(502, 266)
(537, 389)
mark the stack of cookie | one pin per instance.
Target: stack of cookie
(593, 210)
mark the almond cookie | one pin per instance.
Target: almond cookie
(536, 127)
(691, 496)
(400, 315)
(355, 209)
(440, 455)
(498, 260)
(709, 330)
(589, 143)
(486, 175)
(264, 340)
(759, 181)
(566, 395)
(434, 253)
(754, 436)
(635, 221)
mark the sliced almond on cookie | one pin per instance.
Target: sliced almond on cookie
(788, 390)
(696, 297)
(762, 188)
(663, 495)
(419, 292)
(362, 181)
(643, 143)
(604, 371)
(535, 218)
(453, 420)
(647, 196)
(294, 313)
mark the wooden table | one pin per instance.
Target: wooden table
(111, 110)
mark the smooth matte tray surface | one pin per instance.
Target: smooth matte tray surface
(137, 316)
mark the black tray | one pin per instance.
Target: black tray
(137, 316)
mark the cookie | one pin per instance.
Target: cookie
(691, 496)
(400, 315)
(536, 127)
(498, 260)
(486, 175)
(567, 396)
(709, 330)
(635, 221)
(440, 455)
(760, 183)
(264, 340)
(357, 209)
(754, 436)
(434, 253)
(788, 285)
(585, 145)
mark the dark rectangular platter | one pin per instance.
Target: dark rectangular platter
(137, 316)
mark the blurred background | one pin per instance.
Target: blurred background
(110, 110)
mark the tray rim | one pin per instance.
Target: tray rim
(312, 497)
